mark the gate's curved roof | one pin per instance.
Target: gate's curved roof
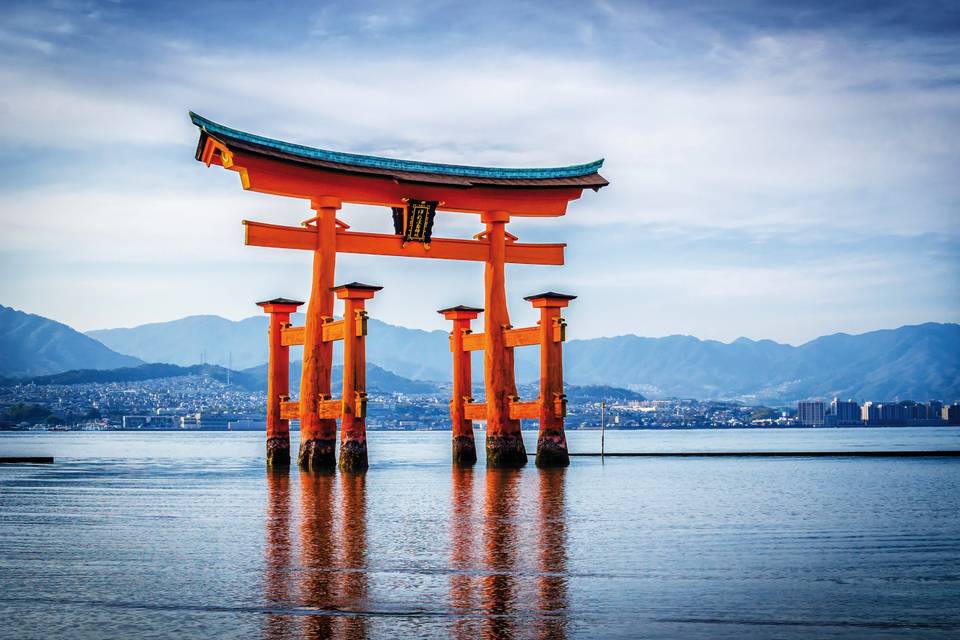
(581, 175)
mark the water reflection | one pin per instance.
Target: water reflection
(333, 550)
(463, 599)
(524, 555)
(508, 556)
(317, 550)
(552, 555)
(278, 554)
(500, 551)
(353, 542)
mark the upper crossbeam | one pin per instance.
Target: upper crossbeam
(260, 234)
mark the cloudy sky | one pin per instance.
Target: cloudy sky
(775, 173)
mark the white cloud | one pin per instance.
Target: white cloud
(753, 148)
(768, 139)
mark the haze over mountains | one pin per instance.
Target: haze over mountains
(32, 345)
(253, 379)
(918, 361)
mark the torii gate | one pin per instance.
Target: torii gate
(414, 190)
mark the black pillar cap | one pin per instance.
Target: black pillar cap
(357, 285)
(280, 301)
(553, 295)
(461, 307)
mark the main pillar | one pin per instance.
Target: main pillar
(504, 440)
(318, 436)
(278, 380)
(353, 429)
(464, 447)
(551, 441)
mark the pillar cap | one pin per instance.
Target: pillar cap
(461, 307)
(279, 305)
(355, 290)
(295, 303)
(460, 312)
(357, 285)
(550, 299)
(551, 295)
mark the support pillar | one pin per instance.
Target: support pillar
(318, 436)
(551, 441)
(504, 440)
(278, 380)
(353, 429)
(464, 447)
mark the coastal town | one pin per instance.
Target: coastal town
(199, 402)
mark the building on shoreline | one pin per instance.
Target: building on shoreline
(811, 413)
(843, 413)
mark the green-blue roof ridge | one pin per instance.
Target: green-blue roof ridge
(414, 166)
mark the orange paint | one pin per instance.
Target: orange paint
(464, 447)
(504, 441)
(318, 435)
(262, 234)
(273, 176)
(353, 430)
(262, 168)
(278, 380)
(552, 440)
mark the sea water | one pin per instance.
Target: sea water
(186, 534)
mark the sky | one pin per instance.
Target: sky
(778, 170)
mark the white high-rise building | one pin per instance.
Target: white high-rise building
(811, 413)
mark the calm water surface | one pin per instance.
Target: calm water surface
(186, 534)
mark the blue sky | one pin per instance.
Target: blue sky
(777, 172)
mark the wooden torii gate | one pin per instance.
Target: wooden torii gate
(414, 191)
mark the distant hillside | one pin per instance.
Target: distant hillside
(578, 394)
(32, 345)
(423, 355)
(185, 341)
(919, 361)
(144, 372)
(378, 380)
(254, 379)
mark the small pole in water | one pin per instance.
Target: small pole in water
(603, 405)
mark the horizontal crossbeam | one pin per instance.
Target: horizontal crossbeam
(260, 234)
(290, 410)
(524, 410)
(294, 336)
(523, 337)
(473, 341)
(475, 411)
(333, 331)
(326, 409)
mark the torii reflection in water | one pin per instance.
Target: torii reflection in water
(331, 595)
(490, 588)
(508, 563)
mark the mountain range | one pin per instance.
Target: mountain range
(32, 345)
(914, 361)
(253, 379)
(422, 355)
(911, 362)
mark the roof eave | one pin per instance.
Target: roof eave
(413, 171)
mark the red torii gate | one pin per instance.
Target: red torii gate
(414, 190)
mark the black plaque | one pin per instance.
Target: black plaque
(418, 221)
